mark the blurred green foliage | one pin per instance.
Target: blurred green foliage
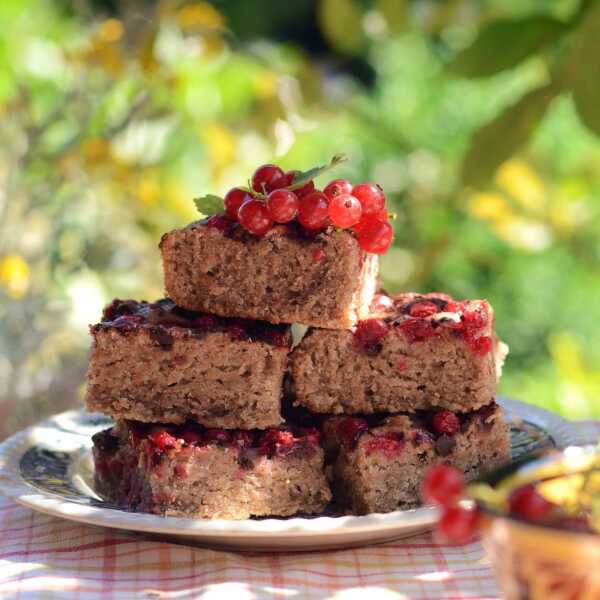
(480, 119)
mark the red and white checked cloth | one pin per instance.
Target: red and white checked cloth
(46, 557)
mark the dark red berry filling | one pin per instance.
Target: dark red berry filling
(369, 334)
(165, 321)
(350, 429)
(389, 443)
(445, 422)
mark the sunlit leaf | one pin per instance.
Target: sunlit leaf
(209, 204)
(304, 177)
(341, 23)
(499, 139)
(582, 69)
(504, 44)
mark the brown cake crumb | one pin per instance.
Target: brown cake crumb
(159, 363)
(378, 467)
(414, 352)
(285, 276)
(190, 471)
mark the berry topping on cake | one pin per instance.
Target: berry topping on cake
(445, 422)
(369, 333)
(290, 198)
(390, 444)
(349, 429)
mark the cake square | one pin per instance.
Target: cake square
(155, 362)
(378, 463)
(414, 352)
(286, 276)
(190, 471)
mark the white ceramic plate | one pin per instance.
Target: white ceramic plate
(48, 468)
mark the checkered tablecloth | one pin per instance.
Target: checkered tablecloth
(45, 557)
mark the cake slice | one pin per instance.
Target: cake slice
(378, 463)
(190, 471)
(414, 352)
(155, 362)
(285, 276)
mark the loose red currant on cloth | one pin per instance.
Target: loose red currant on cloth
(337, 187)
(234, 198)
(375, 236)
(268, 178)
(370, 196)
(445, 422)
(443, 485)
(282, 206)
(457, 525)
(254, 217)
(313, 213)
(344, 210)
(527, 502)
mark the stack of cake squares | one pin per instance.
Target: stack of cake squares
(219, 413)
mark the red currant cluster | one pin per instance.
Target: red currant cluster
(275, 198)
(444, 485)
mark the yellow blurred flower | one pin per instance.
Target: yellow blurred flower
(95, 150)
(220, 143)
(265, 84)
(200, 14)
(110, 31)
(523, 184)
(147, 191)
(489, 206)
(14, 275)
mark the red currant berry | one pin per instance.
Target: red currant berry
(370, 332)
(473, 319)
(163, 439)
(234, 198)
(528, 503)
(314, 211)
(220, 222)
(442, 485)
(337, 187)
(457, 525)
(445, 422)
(344, 210)
(454, 307)
(417, 330)
(389, 444)
(254, 217)
(375, 236)
(282, 206)
(481, 345)
(307, 188)
(370, 196)
(318, 255)
(268, 178)
(423, 309)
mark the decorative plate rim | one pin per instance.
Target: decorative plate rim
(12, 484)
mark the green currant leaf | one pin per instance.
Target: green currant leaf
(209, 204)
(303, 177)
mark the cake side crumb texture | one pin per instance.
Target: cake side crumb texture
(414, 352)
(189, 471)
(159, 363)
(285, 276)
(380, 468)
